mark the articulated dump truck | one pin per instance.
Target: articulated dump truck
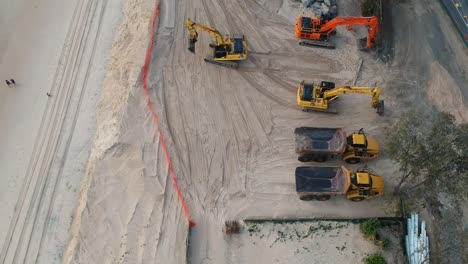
(320, 183)
(320, 144)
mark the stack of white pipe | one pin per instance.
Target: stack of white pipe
(417, 246)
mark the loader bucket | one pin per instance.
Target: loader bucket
(191, 45)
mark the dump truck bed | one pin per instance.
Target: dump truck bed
(320, 140)
(321, 180)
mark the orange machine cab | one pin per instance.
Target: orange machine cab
(305, 28)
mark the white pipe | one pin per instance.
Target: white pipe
(417, 242)
(415, 239)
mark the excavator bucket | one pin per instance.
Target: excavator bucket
(191, 45)
(362, 44)
(380, 108)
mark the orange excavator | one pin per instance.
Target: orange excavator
(316, 32)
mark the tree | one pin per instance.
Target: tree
(432, 152)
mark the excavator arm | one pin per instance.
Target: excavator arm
(371, 22)
(378, 104)
(316, 29)
(192, 28)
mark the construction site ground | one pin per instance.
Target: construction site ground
(320, 241)
(230, 133)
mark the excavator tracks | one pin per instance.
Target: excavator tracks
(318, 43)
(227, 64)
(329, 110)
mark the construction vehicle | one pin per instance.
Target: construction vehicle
(321, 183)
(320, 144)
(318, 97)
(227, 52)
(317, 31)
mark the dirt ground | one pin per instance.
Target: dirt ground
(230, 133)
(429, 66)
(304, 242)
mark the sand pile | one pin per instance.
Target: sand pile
(117, 203)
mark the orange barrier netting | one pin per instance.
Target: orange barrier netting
(155, 117)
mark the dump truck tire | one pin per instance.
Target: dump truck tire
(357, 199)
(307, 197)
(323, 197)
(304, 158)
(352, 160)
(320, 159)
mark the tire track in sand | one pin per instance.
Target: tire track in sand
(265, 92)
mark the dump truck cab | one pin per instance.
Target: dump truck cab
(360, 148)
(364, 185)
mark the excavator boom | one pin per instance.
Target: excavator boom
(192, 28)
(375, 92)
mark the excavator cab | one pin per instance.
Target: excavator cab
(221, 51)
(324, 86)
(327, 85)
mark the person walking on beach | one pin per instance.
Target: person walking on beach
(10, 83)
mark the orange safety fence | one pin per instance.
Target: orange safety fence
(155, 117)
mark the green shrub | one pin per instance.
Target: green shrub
(370, 228)
(374, 259)
(386, 243)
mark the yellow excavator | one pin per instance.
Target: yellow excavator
(227, 52)
(318, 97)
